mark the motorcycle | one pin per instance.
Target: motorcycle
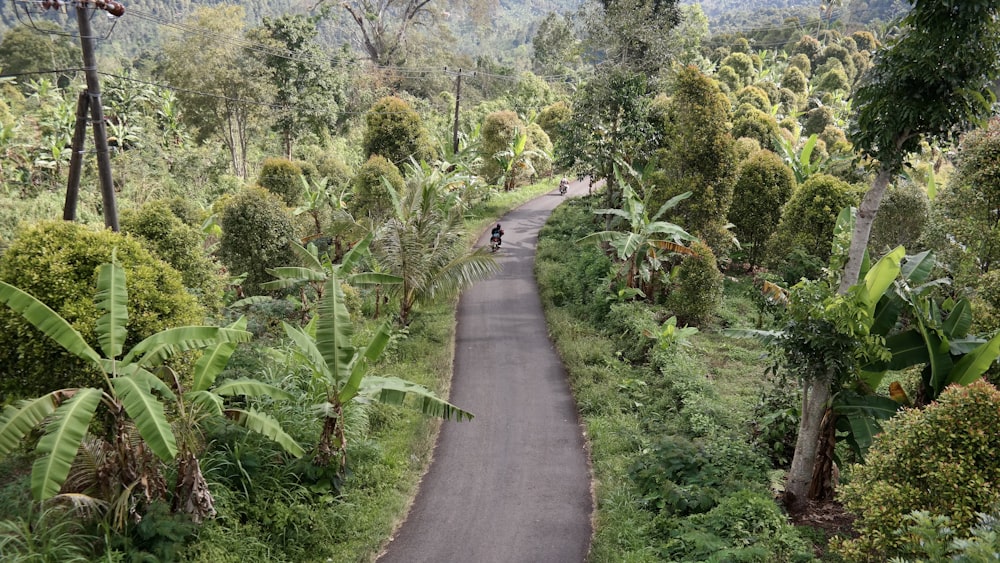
(563, 186)
(494, 243)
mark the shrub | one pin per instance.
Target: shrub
(756, 97)
(801, 61)
(538, 140)
(941, 459)
(865, 41)
(496, 135)
(807, 45)
(795, 80)
(817, 119)
(742, 64)
(396, 132)
(809, 217)
(900, 220)
(758, 125)
(633, 327)
(57, 262)
(697, 290)
(553, 117)
(369, 195)
(257, 230)
(751, 527)
(282, 177)
(765, 184)
(180, 245)
(834, 80)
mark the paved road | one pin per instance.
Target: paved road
(513, 485)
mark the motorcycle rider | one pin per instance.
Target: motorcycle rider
(563, 186)
(497, 233)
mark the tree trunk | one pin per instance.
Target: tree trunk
(815, 396)
(191, 494)
(822, 486)
(862, 229)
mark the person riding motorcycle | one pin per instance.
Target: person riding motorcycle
(563, 186)
(496, 234)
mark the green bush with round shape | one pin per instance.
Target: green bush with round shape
(697, 289)
(901, 219)
(757, 125)
(179, 245)
(396, 132)
(834, 80)
(941, 459)
(808, 218)
(742, 64)
(729, 79)
(772, 91)
(369, 197)
(817, 120)
(764, 186)
(795, 80)
(807, 45)
(553, 117)
(539, 141)
(755, 97)
(57, 262)
(257, 231)
(802, 62)
(282, 177)
(496, 135)
(744, 148)
(865, 41)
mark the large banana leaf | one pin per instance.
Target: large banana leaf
(862, 414)
(940, 360)
(356, 253)
(959, 320)
(371, 353)
(974, 364)
(395, 391)
(214, 360)
(880, 277)
(308, 351)
(172, 341)
(47, 321)
(147, 412)
(206, 400)
(266, 426)
(112, 298)
(291, 276)
(59, 445)
(252, 388)
(373, 278)
(334, 331)
(917, 268)
(18, 421)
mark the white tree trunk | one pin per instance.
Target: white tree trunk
(815, 396)
(862, 229)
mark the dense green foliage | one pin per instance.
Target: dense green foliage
(370, 195)
(764, 186)
(697, 287)
(939, 459)
(901, 219)
(57, 263)
(282, 177)
(257, 230)
(396, 133)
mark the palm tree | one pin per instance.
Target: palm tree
(641, 248)
(423, 242)
(339, 373)
(133, 396)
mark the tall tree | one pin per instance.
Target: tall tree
(930, 83)
(224, 88)
(309, 89)
(634, 33)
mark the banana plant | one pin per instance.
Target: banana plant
(132, 395)
(647, 239)
(516, 160)
(339, 373)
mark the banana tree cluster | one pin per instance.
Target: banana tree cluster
(136, 397)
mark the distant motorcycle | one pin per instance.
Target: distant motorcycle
(494, 243)
(563, 186)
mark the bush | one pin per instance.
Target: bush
(496, 135)
(900, 220)
(817, 119)
(834, 80)
(633, 327)
(809, 217)
(57, 262)
(754, 96)
(256, 234)
(795, 80)
(282, 177)
(757, 125)
(765, 184)
(553, 117)
(396, 132)
(369, 195)
(941, 459)
(750, 526)
(697, 290)
(180, 245)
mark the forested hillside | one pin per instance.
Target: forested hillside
(730, 15)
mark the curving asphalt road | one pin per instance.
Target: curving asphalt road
(513, 485)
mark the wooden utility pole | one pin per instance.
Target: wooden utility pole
(458, 100)
(90, 99)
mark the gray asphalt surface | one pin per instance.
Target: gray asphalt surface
(512, 485)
